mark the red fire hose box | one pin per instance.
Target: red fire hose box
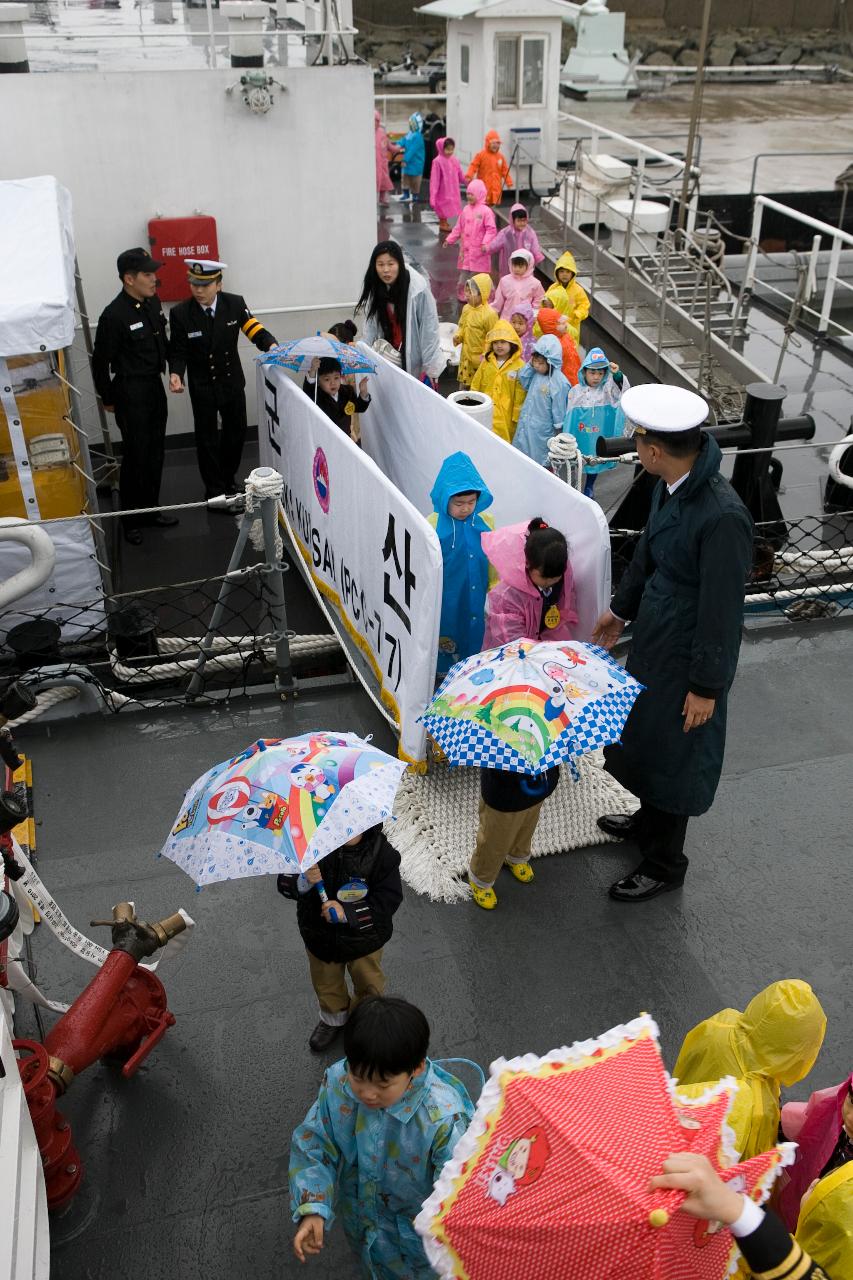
(174, 239)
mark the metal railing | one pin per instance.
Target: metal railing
(835, 235)
(788, 155)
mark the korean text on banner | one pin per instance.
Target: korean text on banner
(371, 554)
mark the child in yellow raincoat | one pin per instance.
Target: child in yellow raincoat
(567, 296)
(774, 1042)
(475, 322)
(497, 377)
(825, 1227)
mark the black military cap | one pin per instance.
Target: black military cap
(136, 260)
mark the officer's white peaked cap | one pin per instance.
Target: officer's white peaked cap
(204, 269)
(655, 407)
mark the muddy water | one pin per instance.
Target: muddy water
(740, 122)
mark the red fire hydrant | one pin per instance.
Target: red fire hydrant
(122, 1013)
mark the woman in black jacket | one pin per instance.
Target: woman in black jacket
(347, 932)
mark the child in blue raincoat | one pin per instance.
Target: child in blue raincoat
(594, 410)
(414, 158)
(544, 407)
(385, 1122)
(459, 495)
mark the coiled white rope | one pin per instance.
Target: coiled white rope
(263, 482)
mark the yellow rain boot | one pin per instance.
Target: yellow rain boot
(522, 871)
(485, 898)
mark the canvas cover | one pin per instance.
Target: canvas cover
(37, 252)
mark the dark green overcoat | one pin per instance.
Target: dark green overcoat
(684, 593)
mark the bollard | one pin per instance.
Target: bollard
(246, 19)
(13, 46)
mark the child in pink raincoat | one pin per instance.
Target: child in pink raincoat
(517, 234)
(535, 597)
(445, 178)
(475, 228)
(383, 178)
(823, 1131)
(519, 286)
(522, 320)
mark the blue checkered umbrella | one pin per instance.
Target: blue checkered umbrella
(299, 353)
(527, 706)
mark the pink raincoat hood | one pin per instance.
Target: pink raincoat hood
(477, 190)
(377, 118)
(505, 549)
(815, 1127)
(439, 146)
(528, 257)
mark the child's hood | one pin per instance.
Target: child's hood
(516, 208)
(528, 258)
(549, 318)
(457, 475)
(377, 118)
(525, 309)
(566, 262)
(483, 284)
(502, 332)
(477, 188)
(595, 359)
(505, 550)
(549, 347)
(439, 146)
(492, 136)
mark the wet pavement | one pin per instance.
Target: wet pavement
(186, 1164)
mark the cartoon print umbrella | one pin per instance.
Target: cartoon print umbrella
(298, 354)
(281, 805)
(527, 706)
(551, 1178)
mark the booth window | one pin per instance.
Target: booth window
(464, 63)
(520, 71)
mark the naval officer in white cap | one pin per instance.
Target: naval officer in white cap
(204, 334)
(683, 594)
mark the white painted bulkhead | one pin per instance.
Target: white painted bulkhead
(292, 191)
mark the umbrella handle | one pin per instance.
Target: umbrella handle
(324, 898)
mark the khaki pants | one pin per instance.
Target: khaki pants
(501, 837)
(330, 984)
(412, 182)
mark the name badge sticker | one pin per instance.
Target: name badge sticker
(138, 325)
(197, 333)
(352, 891)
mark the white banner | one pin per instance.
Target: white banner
(370, 552)
(409, 431)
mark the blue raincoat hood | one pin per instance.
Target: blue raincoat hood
(457, 475)
(549, 347)
(596, 359)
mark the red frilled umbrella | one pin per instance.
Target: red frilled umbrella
(552, 1177)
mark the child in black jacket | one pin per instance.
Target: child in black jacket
(336, 398)
(349, 930)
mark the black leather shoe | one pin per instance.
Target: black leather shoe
(133, 536)
(639, 888)
(164, 521)
(323, 1036)
(621, 825)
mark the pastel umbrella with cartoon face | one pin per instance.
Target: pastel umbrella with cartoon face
(282, 805)
(529, 705)
(552, 1176)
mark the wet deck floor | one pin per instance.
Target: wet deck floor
(186, 1164)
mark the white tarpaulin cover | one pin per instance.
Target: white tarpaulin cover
(37, 253)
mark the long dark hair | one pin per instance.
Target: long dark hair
(545, 549)
(375, 295)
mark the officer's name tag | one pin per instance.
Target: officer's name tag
(230, 322)
(196, 334)
(138, 325)
(352, 891)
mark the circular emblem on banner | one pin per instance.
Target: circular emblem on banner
(320, 473)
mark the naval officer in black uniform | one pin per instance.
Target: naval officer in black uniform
(683, 592)
(205, 330)
(128, 363)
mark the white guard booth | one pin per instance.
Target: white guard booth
(503, 73)
(359, 517)
(43, 459)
